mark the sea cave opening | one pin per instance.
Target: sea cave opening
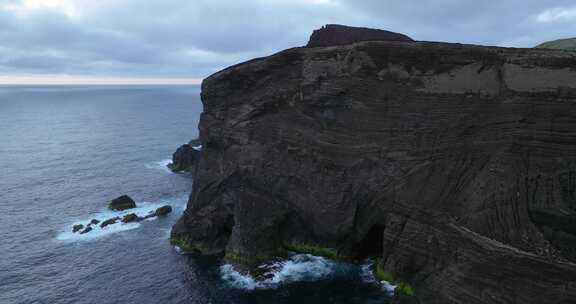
(371, 245)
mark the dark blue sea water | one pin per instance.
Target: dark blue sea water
(65, 151)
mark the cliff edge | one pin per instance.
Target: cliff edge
(454, 166)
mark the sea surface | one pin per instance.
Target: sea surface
(66, 151)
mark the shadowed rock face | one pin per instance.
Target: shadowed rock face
(335, 34)
(184, 159)
(453, 165)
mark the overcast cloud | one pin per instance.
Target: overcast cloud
(180, 38)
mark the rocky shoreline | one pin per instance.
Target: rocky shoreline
(452, 165)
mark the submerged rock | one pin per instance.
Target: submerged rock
(88, 229)
(77, 228)
(452, 165)
(94, 222)
(132, 217)
(109, 222)
(122, 203)
(163, 211)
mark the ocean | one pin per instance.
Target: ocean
(66, 151)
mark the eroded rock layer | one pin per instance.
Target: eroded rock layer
(453, 165)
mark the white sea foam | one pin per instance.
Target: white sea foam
(143, 209)
(160, 165)
(236, 279)
(197, 148)
(366, 272)
(96, 233)
(367, 276)
(299, 267)
(388, 287)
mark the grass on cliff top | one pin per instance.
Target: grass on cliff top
(560, 44)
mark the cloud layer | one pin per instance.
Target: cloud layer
(192, 39)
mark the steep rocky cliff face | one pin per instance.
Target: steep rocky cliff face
(453, 165)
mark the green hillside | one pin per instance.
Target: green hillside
(560, 44)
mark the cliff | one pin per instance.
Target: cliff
(453, 165)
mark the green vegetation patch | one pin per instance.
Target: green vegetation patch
(327, 252)
(183, 242)
(243, 259)
(402, 287)
(560, 44)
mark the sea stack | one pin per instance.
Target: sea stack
(452, 166)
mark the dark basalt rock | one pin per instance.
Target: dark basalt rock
(77, 228)
(132, 217)
(109, 222)
(335, 34)
(122, 203)
(185, 158)
(197, 142)
(88, 229)
(94, 222)
(163, 211)
(453, 166)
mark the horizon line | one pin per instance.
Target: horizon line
(60, 79)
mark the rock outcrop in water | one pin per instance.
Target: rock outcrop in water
(452, 165)
(186, 157)
(163, 211)
(122, 203)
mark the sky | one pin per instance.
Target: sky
(183, 41)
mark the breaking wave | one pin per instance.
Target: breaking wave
(367, 275)
(301, 268)
(160, 165)
(297, 268)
